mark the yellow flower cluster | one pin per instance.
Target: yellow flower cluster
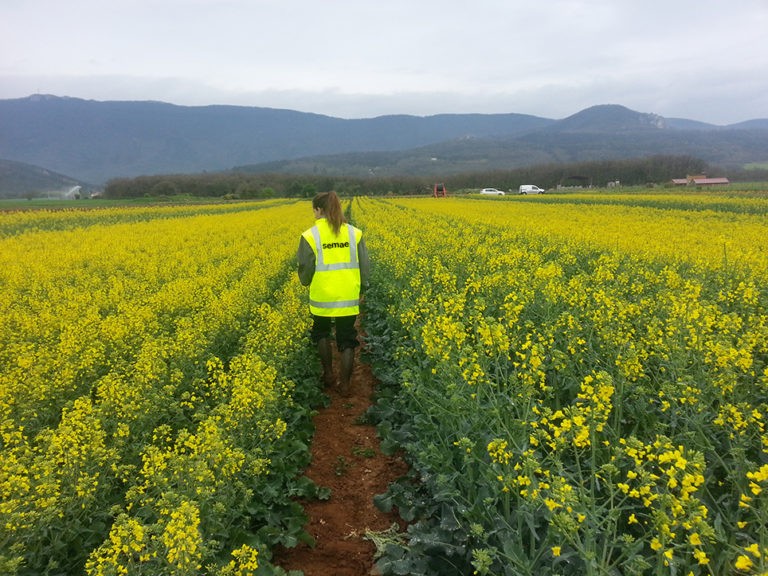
(244, 564)
(666, 479)
(181, 538)
(497, 450)
(577, 425)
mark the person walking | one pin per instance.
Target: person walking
(333, 262)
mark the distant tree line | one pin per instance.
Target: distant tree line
(242, 185)
(654, 170)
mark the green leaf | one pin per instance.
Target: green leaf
(383, 502)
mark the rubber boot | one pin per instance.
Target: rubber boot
(347, 364)
(326, 359)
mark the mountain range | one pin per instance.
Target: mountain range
(93, 141)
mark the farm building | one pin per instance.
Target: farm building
(700, 180)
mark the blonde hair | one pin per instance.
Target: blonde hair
(330, 204)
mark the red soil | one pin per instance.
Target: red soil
(346, 459)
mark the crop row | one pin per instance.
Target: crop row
(737, 202)
(66, 217)
(154, 391)
(580, 389)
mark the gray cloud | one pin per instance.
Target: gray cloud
(699, 59)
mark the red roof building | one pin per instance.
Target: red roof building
(700, 180)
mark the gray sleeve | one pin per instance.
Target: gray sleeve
(365, 264)
(306, 258)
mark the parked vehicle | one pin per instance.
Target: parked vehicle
(492, 192)
(531, 189)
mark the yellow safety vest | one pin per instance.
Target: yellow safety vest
(335, 287)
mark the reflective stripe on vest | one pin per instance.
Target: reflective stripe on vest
(339, 304)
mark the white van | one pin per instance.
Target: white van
(531, 189)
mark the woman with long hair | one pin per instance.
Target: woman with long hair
(333, 262)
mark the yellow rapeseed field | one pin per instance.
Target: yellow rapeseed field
(142, 383)
(579, 383)
(585, 377)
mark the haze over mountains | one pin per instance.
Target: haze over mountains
(92, 141)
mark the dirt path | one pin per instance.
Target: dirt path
(346, 459)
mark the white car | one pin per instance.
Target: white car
(491, 192)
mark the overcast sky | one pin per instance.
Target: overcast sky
(700, 59)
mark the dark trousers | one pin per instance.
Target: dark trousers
(346, 333)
